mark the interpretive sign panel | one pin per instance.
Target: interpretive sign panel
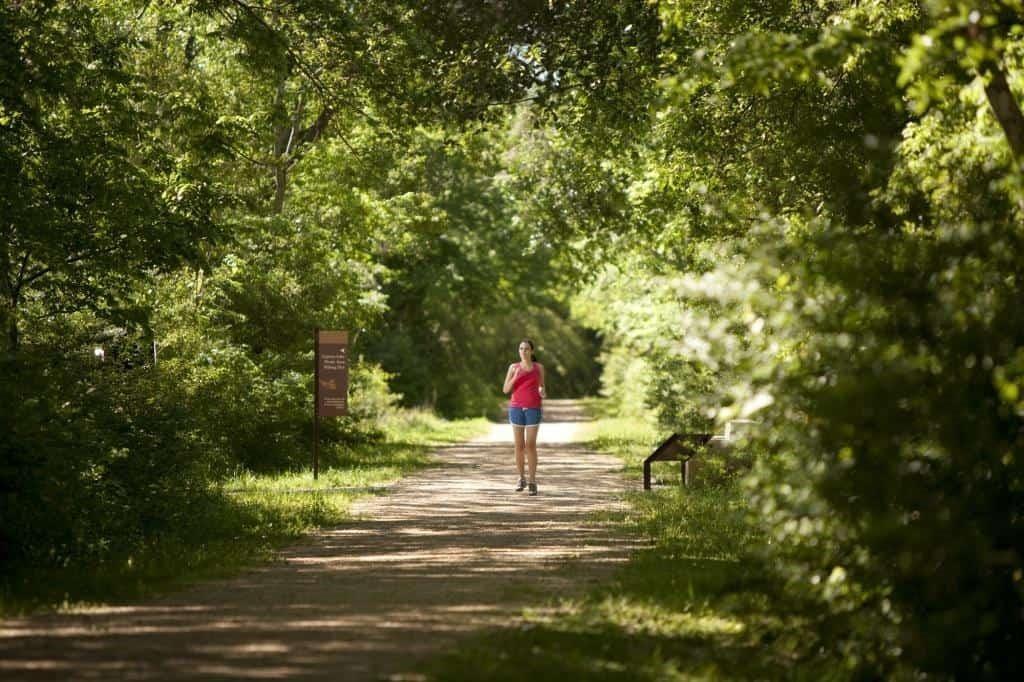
(331, 374)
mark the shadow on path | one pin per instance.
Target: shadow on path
(446, 552)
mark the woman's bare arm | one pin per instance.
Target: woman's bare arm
(543, 382)
(510, 377)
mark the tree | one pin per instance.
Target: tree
(839, 179)
(102, 172)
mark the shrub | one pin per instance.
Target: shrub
(95, 460)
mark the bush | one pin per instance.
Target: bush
(99, 458)
(95, 460)
(626, 381)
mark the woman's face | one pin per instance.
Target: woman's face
(525, 351)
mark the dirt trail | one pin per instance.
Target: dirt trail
(446, 552)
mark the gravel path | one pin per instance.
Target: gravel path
(447, 552)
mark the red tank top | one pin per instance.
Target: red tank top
(526, 389)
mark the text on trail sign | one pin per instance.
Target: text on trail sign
(332, 374)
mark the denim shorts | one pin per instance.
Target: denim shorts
(524, 416)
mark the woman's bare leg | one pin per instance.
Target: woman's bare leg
(531, 450)
(517, 432)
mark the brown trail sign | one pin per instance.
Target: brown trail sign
(330, 383)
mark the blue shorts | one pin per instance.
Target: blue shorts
(524, 416)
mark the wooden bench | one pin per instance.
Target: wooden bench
(679, 447)
(683, 447)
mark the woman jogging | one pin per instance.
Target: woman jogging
(525, 379)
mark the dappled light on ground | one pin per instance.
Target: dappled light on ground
(445, 553)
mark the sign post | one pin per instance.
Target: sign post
(330, 382)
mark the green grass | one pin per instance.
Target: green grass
(242, 522)
(696, 604)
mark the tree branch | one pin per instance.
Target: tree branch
(1000, 98)
(306, 70)
(300, 109)
(506, 103)
(317, 128)
(1007, 110)
(325, 94)
(143, 11)
(25, 281)
(265, 164)
(15, 286)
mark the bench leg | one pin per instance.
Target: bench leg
(682, 471)
(647, 475)
(692, 472)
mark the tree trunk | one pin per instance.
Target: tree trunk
(1006, 110)
(13, 337)
(10, 317)
(14, 280)
(290, 142)
(999, 95)
(282, 141)
(280, 183)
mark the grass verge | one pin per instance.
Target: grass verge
(242, 522)
(696, 604)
